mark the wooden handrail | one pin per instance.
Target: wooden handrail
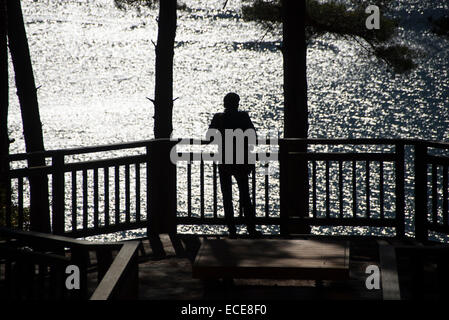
(144, 143)
(55, 241)
(121, 279)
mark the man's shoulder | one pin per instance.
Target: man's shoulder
(218, 114)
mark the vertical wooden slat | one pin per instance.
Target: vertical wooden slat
(367, 189)
(267, 193)
(354, 190)
(340, 187)
(314, 188)
(137, 166)
(95, 198)
(434, 194)
(420, 192)
(148, 153)
(381, 189)
(189, 190)
(74, 200)
(253, 180)
(445, 196)
(127, 195)
(214, 174)
(106, 196)
(117, 194)
(85, 200)
(202, 188)
(327, 191)
(20, 202)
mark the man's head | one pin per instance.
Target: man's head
(231, 101)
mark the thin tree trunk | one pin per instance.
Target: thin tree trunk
(294, 50)
(163, 94)
(5, 185)
(32, 127)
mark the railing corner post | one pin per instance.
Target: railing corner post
(400, 199)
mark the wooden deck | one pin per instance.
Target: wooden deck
(172, 278)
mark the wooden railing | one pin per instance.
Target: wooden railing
(84, 184)
(33, 266)
(351, 183)
(431, 189)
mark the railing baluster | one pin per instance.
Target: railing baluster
(74, 204)
(434, 194)
(202, 189)
(189, 190)
(147, 163)
(85, 200)
(137, 166)
(253, 175)
(267, 193)
(445, 196)
(354, 189)
(127, 195)
(367, 187)
(214, 173)
(327, 191)
(420, 192)
(95, 198)
(381, 189)
(340, 187)
(314, 188)
(20, 202)
(117, 194)
(106, 196)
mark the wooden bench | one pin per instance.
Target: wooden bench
(272, 259)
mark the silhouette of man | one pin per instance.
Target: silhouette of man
(234, 119)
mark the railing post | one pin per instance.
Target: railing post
(5, 192)
(420, 191)
(399, 190)
(58, 194)
(294, 187)
(161, 188)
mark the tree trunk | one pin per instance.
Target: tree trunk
(163, 93)
(32, 127)
(294, 50)
(162, 173)
(5, 185)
